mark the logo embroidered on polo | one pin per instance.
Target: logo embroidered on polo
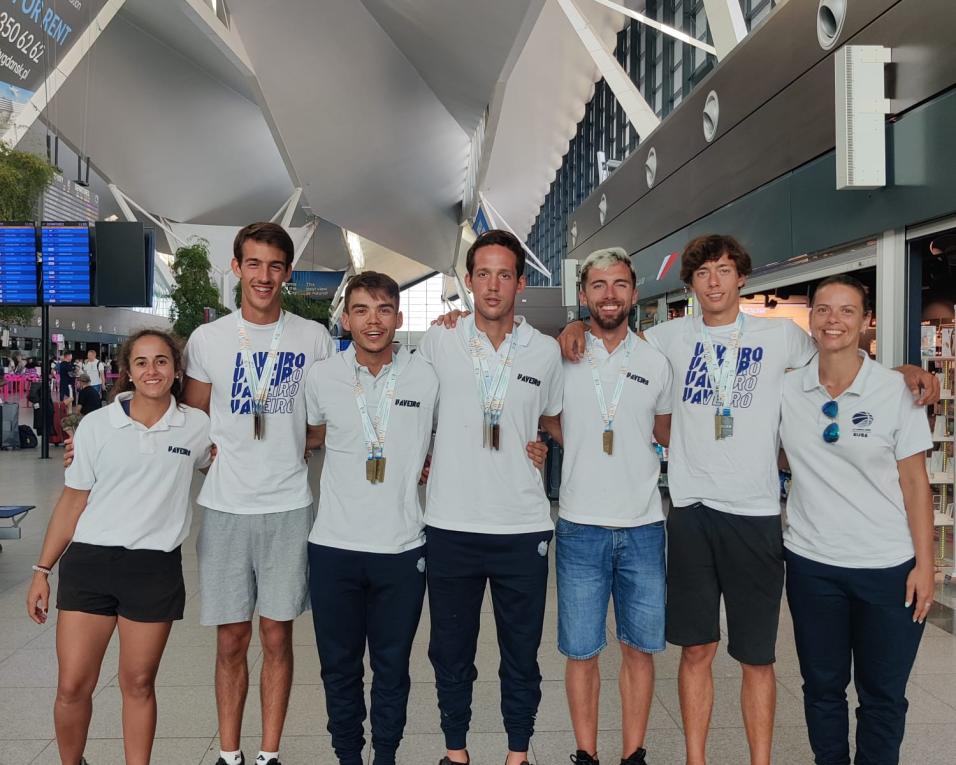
(180, 450)
(407, 402)
(529, 379)
(637, 378)
(861, 424)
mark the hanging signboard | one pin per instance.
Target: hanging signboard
(34, 37)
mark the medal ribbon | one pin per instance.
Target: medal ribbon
(491, 392)
(608, 412)
(375, 429)
(259, 385)
(722, 376)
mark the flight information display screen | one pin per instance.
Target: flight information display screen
(67, 262)
(18, 264)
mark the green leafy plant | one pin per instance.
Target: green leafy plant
(23, 177)
(194, 291)
(300, 305)
(18, 316)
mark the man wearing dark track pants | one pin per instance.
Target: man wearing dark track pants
(488, 517)
(372, 407)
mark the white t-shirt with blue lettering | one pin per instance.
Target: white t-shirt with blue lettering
(269, 475)
(736, 475)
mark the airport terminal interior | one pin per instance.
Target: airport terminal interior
(138, 137)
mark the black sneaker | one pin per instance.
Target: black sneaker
(446, 761)
(273, 761)
(242, 760)
(583, 758)
(636, 759)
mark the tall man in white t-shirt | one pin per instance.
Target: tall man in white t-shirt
(95, 370)
(609, 538)
(248, 370)
(724, 537)
(488, 518)
(367, 548)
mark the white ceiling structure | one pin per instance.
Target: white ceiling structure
(545, 99)
(368, 105)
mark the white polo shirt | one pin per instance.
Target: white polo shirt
(845, 506)
(269, 475)
(619, 489)
(138, 478)
(470, 487)
(736, 475)
(353, 513)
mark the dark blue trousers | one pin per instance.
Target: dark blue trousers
(360, 597)
(459, 566)
(844, 616)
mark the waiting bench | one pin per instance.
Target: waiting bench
(14, 514)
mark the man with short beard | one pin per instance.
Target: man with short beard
(610, 530)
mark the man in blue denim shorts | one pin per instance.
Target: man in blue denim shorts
(610, 530)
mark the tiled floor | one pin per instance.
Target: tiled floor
(187, 718)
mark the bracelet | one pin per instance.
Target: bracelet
(42, 570)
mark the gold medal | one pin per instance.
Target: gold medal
(379, 470)
(723, 426)
(607, 441)
(370, 470)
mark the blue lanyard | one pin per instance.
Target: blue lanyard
(722, 376)
(608, 412)
(376, 429)
(259, 385)
(491, 392)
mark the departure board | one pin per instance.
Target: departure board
(67, 262)
(18, 264)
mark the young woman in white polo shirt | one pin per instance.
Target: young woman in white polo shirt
(859, 542)
(116, 532)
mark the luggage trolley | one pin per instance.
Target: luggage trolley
(14, 514)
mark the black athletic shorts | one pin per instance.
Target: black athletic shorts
(139, 585)
(712, 554)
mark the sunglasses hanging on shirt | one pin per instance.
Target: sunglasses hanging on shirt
(831, 433)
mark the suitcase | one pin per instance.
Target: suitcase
(10, 426)
(57, 436)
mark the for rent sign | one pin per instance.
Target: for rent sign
(34, 36)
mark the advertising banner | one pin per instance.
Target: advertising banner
(34, 36)
(318, 285)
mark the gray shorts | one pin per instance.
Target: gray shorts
(249, 561)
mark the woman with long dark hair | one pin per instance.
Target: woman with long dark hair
(859, 538)
(116, 532)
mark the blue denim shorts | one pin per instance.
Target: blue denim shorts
(595, 564)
